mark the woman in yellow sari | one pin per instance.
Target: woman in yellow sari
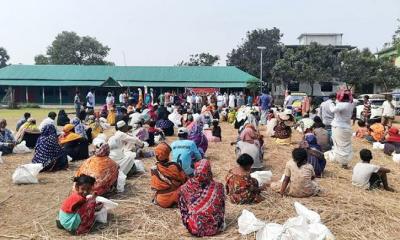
(111, 116)
(74, 144)
(27, 128)
(94, 124)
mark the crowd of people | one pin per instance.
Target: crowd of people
(182, 175)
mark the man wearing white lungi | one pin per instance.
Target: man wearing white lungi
(342, 150)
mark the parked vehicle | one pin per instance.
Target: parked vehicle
(376, 106)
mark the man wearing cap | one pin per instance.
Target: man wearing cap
(130, 143)
(185, 152)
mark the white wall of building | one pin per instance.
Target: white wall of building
(334, 39)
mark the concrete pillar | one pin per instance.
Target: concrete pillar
(43, 96)
(26, 95)
(60, 95)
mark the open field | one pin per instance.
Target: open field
(29, 211)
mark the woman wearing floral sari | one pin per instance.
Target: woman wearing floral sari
(202, 202)
(48, 151)
(102, 168)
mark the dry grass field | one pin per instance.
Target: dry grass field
(29, 211)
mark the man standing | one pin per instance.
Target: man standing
(161, 99)
(122, 98)
(90, 101)
(389, 111)
(265, 104)
(231, 103)
(77, 103)
(287, 98)
(325, 113)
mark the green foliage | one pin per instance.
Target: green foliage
(357, 68)
(4, 57)
(312, 63)
(254, 86)
(69, 48)
(247, 57)
(386, 74)
(202, 59)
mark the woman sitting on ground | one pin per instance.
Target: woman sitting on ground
(283, 131)
(315, 155)
(202, 202)
(155, 134)
(322, 135)
(95, 125)
(250, 144)
(49, 152)
(376, 132)
(165, 124)
(166, 177)
(28, 132)
(300, 175)
(74, 144)
(62, 118)
(392, 141)
(112, 116)
(197, 136)
(7, 141)
(102, 168)
(362, 131)
(240, 187)
(77, 213)
(79, 128)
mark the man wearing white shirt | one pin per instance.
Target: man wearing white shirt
(90, 100)
(389, 111)
(50, 120)
(232, 100)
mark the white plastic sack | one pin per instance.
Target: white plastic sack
(27, 173)
(309, 215)
(101, 216)
(107, 204)
(121, 182)
(21, 148)
(396, 158)
(248, 223)
(139, 166)
(378, 145)
(1, 160)
(270, 231)
(69, 158)
(263, 177)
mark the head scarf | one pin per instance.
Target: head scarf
(102, 150)
(197, 136)
(202, 202)
(47, 149)
(162, 152)
(342, 92)
(248, 135)
(79, 127)
(68, 135)
(393, 135)
(312, 141)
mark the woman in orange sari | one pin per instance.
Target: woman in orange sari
(75, 145)
(102, 168)
(166, 177)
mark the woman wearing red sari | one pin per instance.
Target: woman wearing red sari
(202, 202)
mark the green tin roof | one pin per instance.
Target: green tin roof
(81, 75)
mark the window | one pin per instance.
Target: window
(326, 86)
(294, 86)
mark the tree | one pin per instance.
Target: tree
(254, 86)
(310, 63)
(69, 48)
(357, 68)
(4, 57)
(386, 74)
(202, 59)
(41, 59)
(247, 57)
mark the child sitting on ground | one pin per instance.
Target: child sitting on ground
(300, 175)
(362, 131)
(77, 211)
(154, 133)
(216, 131)
(369, 176)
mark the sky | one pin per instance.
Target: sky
(165, 32)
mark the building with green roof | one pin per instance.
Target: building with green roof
(56, 84)
(392, 53)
